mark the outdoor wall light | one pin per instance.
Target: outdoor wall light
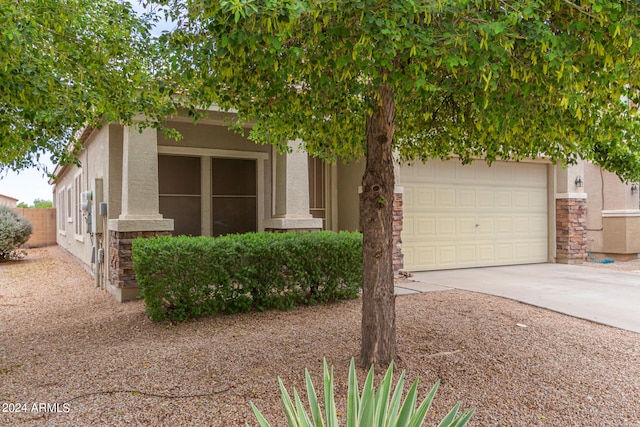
(579, 182)
(634, 188)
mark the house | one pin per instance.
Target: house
(613, 215)
(214, 181)
(8, 201)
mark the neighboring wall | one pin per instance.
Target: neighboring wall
(8, 201)
(43, 222)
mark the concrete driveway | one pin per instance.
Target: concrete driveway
(603, 296)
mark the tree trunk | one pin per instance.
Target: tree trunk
(376, 223)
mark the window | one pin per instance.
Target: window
(234, 196)
(69, 205)
(180, 193)
(317, 199)
(77, 212)
(62, 215)
(211, 192)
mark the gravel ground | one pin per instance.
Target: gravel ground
(66, 343)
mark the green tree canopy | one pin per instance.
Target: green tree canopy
(65, 64)
(37, 203)
(492, 79)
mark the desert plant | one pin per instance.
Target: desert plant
(369, 409)
(15, 230)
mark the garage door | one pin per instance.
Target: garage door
(459, 216)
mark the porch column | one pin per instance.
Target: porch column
(291, 189)
(571, 215)
(140, 215)
(398, 217)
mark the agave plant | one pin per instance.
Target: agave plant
(369, 409)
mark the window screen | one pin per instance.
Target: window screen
(234, 196)
(180, 193)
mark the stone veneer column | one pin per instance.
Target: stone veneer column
(291, 188)
(140, 216)
(571, 215)
(571, 229)
(122, 279)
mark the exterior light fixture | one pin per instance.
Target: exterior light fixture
(579, 182)
(634, 188)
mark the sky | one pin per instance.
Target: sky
(31, 184)
(26, 186)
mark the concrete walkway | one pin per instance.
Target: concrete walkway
(603, 296)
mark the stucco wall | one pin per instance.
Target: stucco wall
(593, 185)
(210, 136)
(92, 165)
(613, 214)
(8, 201)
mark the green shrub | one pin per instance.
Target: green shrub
(369, 409)
(188, 277)
(15, 230)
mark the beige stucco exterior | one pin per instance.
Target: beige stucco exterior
(72, 230)
(613, 214)
(119, 166)
(122, 167)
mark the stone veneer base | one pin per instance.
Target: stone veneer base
(571, 230)
(122, 280)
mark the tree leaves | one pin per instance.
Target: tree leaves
(497, 79)
(67, 64)
(508, 79)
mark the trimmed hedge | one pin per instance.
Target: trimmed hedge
(189, 277)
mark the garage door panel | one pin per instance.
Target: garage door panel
(504, 252)
(425, 198)
(467, 254)
(520, 200)
(408, 226)
(504, 225)
(485, 199)
(426, 227)
(426, 255)
(520, 225)
(408, 252)
(538, 224)
(446, 255)
(467, 226)
(485, 226)
(465, 199)
(446, 198)
(469, 216)
(486, 253)
(446, 226)
(503, 199)
(539, 250)
(538, 199)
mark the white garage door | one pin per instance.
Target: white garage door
(459, 216)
